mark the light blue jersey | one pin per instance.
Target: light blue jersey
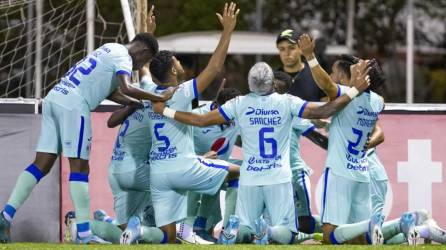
(299, 127)
(376, 168)
(133, 142)
(349, 130)
(219, 138)
(172, 141)
(265, 126)
(93, 78)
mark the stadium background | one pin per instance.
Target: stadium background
(413, 152)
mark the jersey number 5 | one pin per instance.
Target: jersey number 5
(159, 137)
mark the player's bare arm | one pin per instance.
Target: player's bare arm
(119, 116)
(118, 97)
(318, 138)
(199, 120)
(128, 89)
(150, 21)
(322, 79)
(376, 138)
(361, 82)
(228, 20)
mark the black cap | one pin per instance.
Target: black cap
(289, 35)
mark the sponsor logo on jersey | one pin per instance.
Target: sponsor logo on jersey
(365, 111)
(221, 145)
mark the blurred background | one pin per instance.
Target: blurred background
(365, 28)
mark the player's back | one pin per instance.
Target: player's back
(220, 138)
(93, 78)
(349, 130)
(172, 141)
(265, 126)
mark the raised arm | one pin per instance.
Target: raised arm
(228, 20)
(361, 82)
(119, 116)
(210, 118)
(128, 89)
(322, 79)
(376, 138)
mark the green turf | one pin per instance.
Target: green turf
(39, 246)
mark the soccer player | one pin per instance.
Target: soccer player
(302, 83)
(264, 118)
(66, 124)
(345, 215)
(218, 140)
(308, 223)
(174, 166)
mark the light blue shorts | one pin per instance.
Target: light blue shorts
(302, 192)
(277, 199)
(131, 194)
(169, 189)
(344, 201)
(66, 130)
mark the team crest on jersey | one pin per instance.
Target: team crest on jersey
(221, 145)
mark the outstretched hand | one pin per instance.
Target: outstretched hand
(158, 107)
(359, 75)
(228, 18)
(150, 22)
(168, 93)
(306, 45)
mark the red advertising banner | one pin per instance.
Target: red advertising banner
(412, 154)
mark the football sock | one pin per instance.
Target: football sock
(25, 184)
(301, 237)
(184, 230)
(106, 231)
(348, 231)
(192, 207)
(230, 200)
(81, 201)
(396, 240)
(281, 234)
(206, 209)
(391, 228)
(244, 235)
(153, 235)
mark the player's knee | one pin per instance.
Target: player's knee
(79, 165)
(44, 162)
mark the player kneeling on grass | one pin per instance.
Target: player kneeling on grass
(264, 118)
(66, 123)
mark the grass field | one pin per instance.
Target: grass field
(39, 246)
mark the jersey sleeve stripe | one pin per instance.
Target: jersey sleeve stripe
(301, 111)
(339, 91)
(213, 165)
(194, 83)
(222, 112)
(123, 72)
(81, 137)
(308, 130)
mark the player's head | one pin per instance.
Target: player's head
(260, 79)
(289, 52)
(341, 71)
(282, 82)
(227, 94)
(143, 47)
(162, 67)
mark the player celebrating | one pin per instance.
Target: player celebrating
(66, 124)
(265, 119)
(174, 167)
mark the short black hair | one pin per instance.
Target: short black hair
(284, 77)
(147, 39)
(227, 94)
(161, 64)
(377, 77)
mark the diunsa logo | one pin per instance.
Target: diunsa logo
(261, 111)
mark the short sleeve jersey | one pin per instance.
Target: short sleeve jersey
(349, 130)
(219, 138)
(94, 78)
(265, 127)
(299, 127)
(172, 141)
